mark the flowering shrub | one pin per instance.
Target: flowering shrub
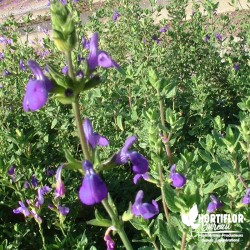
(172, 114)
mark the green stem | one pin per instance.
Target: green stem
(238, 173)
(169, 155)
(165, 137)
(117, 224)
(42, 236)
(76, 109)
(183, 241)
(75, 106)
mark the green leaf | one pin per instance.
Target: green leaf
(205, 156)
(100, 223)
(119, 122)
(53, 124)
(164, 238)
(145, 248)
(173, 234)
(169, 196)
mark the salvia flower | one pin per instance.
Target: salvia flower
(93, 189)
(6, 73)
(37, 89)
(139, 162)
(109, 242)
(1, 55)
(164, 29)
(218, 37)
(63, 210)
(92, 137)
(34, 181)
(214, 204)
(60, 188)
(40, 193)
(156, 39)
(137, 177)
(26, 185)
(65, 70)
(246, 198)
(207, 38)
(98, 57)
(116, 14)
(178, 180)
(11, 170)
(236, 66)
(145, 210)
(22, 65)
(22, 209)
(85, 43)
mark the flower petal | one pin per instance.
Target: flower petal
(140, 163)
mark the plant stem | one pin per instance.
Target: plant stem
(183, 241)
(238, 173)
(42, 236)
(169, 155)
(162, 193)
(118, 225)
(76, 109)
(75, 106)
(165, 137)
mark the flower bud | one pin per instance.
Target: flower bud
(63, 26)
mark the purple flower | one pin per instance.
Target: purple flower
(80, 58)
(98, 57)
(93, 189)
(6, 73)
(36, 216)
(26, 184)
(37, 89)
(178, 180)
(139, 162)
(164, 29)
(146, 210)
(11, 170)
(63, 210)
(40, 193)
(1, 55)
(34, 181)
(22, 65)
(116, 14)
(22, 209)
(85, 43)
(207, 38)
(2, 39)
(60, 188)
(79, 74)
(236, 66)
(50, 172)
(156, 39)
(137, 177)
(64, 2)
(218, 37)
(214, 204)
(109, 242)
(246, 198)
(65, 70)
(92, 137)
